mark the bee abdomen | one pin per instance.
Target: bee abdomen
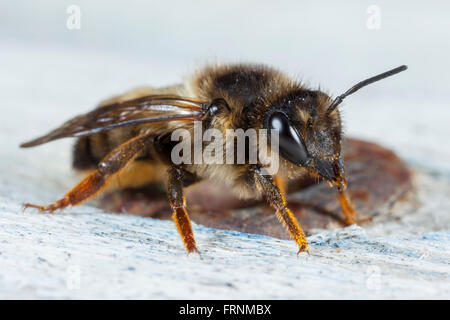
(83, 158)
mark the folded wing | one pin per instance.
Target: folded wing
(153, 108)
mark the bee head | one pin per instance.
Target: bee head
(309, 127)
(309, 135)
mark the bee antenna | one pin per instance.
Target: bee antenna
(364, 83)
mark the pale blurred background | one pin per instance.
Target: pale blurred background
(122, 44)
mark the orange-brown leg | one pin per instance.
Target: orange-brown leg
(277, 200)
(347, 205)
(178, 204)
(281, 183)
(94, 182)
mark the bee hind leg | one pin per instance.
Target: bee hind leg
(176, 180)
(59, 204)
(117, 159)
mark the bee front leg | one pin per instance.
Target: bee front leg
(177, 201)
(277, 200)
(95, 181)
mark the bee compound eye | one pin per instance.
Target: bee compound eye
(217, 106)
(291, 145)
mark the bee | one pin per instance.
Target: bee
(126, 141)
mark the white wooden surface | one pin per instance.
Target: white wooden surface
(47, 77)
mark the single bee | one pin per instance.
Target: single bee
(126, 141)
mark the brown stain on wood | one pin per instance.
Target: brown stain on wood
(377, 178)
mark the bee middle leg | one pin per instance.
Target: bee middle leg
(117, 159)
(177, 177)
(277, 200)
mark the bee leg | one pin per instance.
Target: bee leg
(347, 206)
(95, 181)
(281, 183)
(176, 177)
(277, 200)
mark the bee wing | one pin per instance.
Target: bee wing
(153, 108)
